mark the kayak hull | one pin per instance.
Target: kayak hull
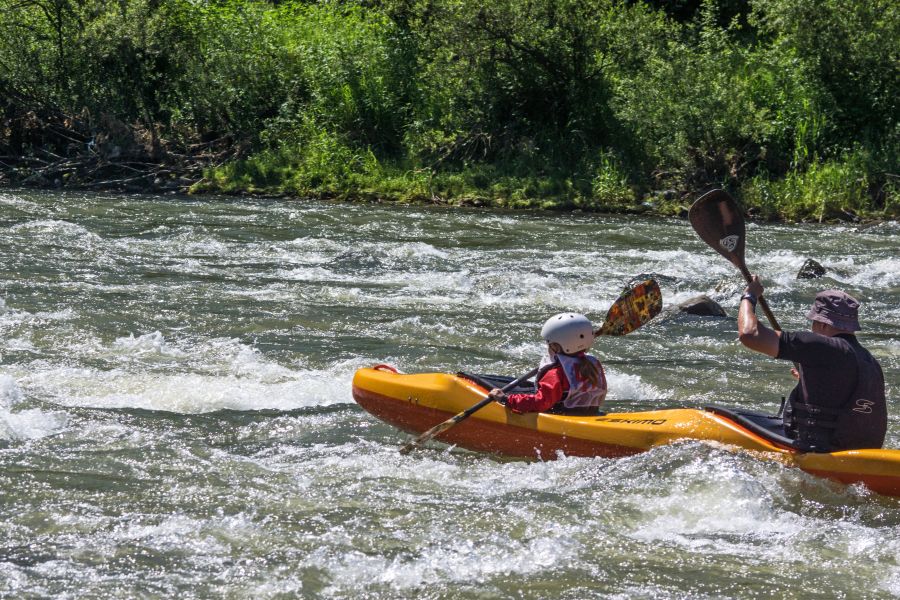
(483, 435)
(417, 402)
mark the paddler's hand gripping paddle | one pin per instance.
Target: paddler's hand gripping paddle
(635, 307)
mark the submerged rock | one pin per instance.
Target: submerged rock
(703, 306)
(810, 270)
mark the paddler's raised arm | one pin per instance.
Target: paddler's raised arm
(751, 332)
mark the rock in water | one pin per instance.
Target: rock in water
(703, 306)
(810, 270)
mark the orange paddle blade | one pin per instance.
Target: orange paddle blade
(635, 307)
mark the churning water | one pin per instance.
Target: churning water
(176, 416)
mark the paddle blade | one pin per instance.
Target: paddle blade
(718, 221)
(433, 432)
(635, 307)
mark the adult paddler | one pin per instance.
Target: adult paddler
(839, 402)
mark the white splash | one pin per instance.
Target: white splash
(624, 386)
(150, 343)
(24, 424)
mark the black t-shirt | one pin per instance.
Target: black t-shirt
(839, 403)
(828, 369)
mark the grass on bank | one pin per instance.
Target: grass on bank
(835, 190)
(327, 168)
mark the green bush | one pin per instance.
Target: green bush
(836, 189)
(544, 103)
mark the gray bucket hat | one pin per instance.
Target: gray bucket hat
(835, 308)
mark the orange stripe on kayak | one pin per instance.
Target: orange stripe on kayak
(888, 485)
(485, 436)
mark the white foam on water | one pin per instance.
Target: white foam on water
(15, 579)
(414, 250)
(24, 424)
(12, 316)
(779, 264)
(203, 357)
(682, 264)
(624, 386)
(312, 249)
(194, 393)
(175, 532)
(189, 243)
(168, 241)
(238, 378)
(10, 394)
(529, 351)
(454, 559)
(19, 203)
(883, 273)
(447, 284)
(280, 584)
(62, 231)
(704, 505)
(708, 500)
(149, 343)
(313, 274)
(311, 252)
(549, 295)
(19, 345)
(890, 582)
(700, 516)
(471, 554)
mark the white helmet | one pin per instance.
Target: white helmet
(573, 332)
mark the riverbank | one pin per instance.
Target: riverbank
(77, 152)
(209, 171)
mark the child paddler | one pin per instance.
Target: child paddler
(568, 381)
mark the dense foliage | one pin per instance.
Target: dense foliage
(601, 104)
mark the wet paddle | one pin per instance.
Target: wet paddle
(633, 308)
(718, 221)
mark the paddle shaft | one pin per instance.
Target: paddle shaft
(762, 301)
(444, 426)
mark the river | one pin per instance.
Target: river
(176, 417)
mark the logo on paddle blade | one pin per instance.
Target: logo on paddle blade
(730, 242)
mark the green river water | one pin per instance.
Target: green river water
(176, 417)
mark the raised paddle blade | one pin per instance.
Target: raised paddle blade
(635, 307)
(718, 221)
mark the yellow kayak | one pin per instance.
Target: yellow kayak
(417, 402)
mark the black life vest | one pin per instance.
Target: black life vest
(859, 422)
